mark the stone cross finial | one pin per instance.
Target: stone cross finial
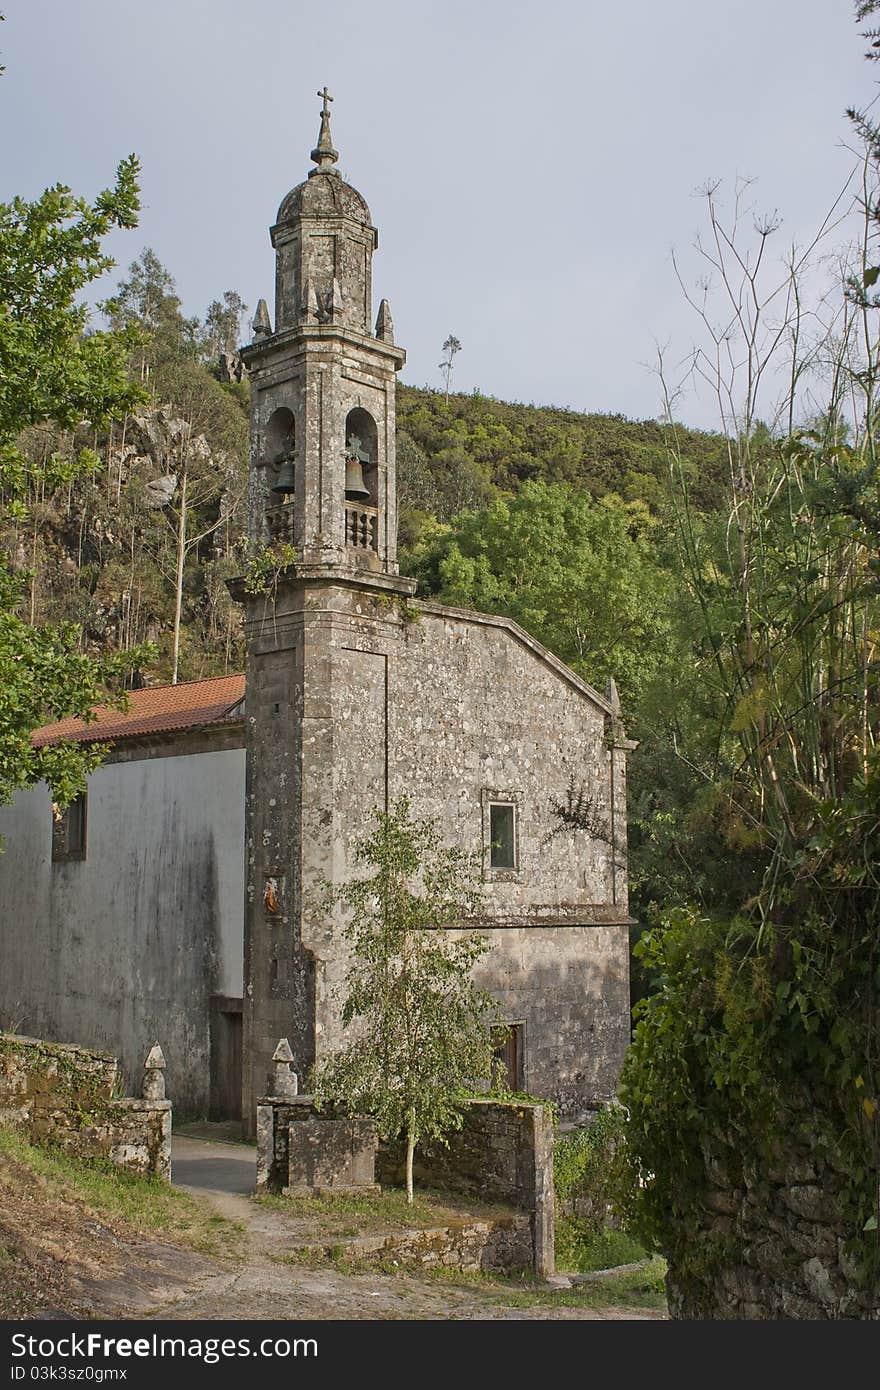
(285, 1082)
(153, 1086)
(324, 154)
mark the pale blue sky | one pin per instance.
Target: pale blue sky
(529, 166)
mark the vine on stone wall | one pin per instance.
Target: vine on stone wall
(759, 1026)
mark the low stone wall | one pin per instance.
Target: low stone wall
(772, 1240)
(274, 1118)
(61, 1094)
(501, 1246)
(503, 1152)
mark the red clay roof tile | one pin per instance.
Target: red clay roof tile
(157, 709)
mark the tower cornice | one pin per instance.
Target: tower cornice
(305, 335)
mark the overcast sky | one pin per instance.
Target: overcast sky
(529, 166)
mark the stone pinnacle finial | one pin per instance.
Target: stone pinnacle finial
(324, 154)
(262, 324)
(612, 696)
(384, 323)
(286, 1082)
(153, 1087)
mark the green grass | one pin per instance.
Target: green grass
(354, 1213)
(147, 1204)
(643, 1288)
(580, 1248)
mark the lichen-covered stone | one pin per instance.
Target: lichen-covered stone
(60, 1094)
(776, 1246)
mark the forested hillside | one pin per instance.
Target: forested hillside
(453, 453)
(139, 547)
(565, 522)
(136, 545)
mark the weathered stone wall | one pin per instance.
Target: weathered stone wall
(337, 1155)
(503, 1246)
(274, 1118)
(69, 1096)
(772, 1241)
(130, 943)
(351, 704)
(503, 1152)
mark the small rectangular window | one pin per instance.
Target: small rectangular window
(69, 831)
(502, 837)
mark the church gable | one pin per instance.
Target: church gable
(514, 755)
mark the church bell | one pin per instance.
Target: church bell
(354, 477)
(285, 483)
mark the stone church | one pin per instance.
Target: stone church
(355, 693)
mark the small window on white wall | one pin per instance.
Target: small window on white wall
(69, 831)
(502, 814)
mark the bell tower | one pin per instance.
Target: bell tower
(323, 424)
(319, 639)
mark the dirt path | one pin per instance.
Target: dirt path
(264, 1286)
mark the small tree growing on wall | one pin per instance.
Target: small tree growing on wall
(423, 1039)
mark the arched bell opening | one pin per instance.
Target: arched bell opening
(361, 481)
(281, 452)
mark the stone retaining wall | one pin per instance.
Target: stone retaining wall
(61, 1094)
(501, 1246)
(503, 1152)
(772, 1241)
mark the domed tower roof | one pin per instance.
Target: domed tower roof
(324, 242)
(324, 193)
(327, 195)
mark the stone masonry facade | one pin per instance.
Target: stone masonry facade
(358, 694)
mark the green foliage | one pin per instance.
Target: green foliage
(754, 1030)
(148, 303)
(581, 1249)
(422, 1030)
(756, 1050)
(503, 444)
(581, 575)
(53, 369)
(593, 1174)
(265, 566)
(100, 553)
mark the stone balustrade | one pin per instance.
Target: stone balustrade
(361, 527)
